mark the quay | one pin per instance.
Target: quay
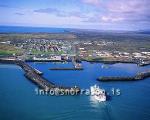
(138, 76)
(34, 76)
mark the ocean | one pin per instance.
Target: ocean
(18, 99)
(21, 29)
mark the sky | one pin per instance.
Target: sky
(83, 14)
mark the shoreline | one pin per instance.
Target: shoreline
(95, 61)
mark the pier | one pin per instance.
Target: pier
(138, 76)
(34, 76)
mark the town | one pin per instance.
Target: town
(51, 49)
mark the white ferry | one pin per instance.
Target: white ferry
(97, 93)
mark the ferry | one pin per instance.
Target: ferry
(97, 93)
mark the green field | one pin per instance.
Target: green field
(9, 50)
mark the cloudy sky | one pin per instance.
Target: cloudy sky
(85, 14)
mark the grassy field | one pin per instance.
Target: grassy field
(9, 50)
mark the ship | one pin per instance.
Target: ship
(97, 93)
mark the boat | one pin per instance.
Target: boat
(97, 93)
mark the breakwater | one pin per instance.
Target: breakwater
(34, 76)
(138, 76)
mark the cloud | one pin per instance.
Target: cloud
(61, 13)
(104, 19)
(111, 19)
(123, 11)
(130, 11)
(128, 6)
(92, 2)
(48, 10)
(19, 13)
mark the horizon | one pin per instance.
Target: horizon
(105, 15)
(82, 29)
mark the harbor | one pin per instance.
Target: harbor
(75, 60)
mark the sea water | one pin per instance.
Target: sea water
(18, 99)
